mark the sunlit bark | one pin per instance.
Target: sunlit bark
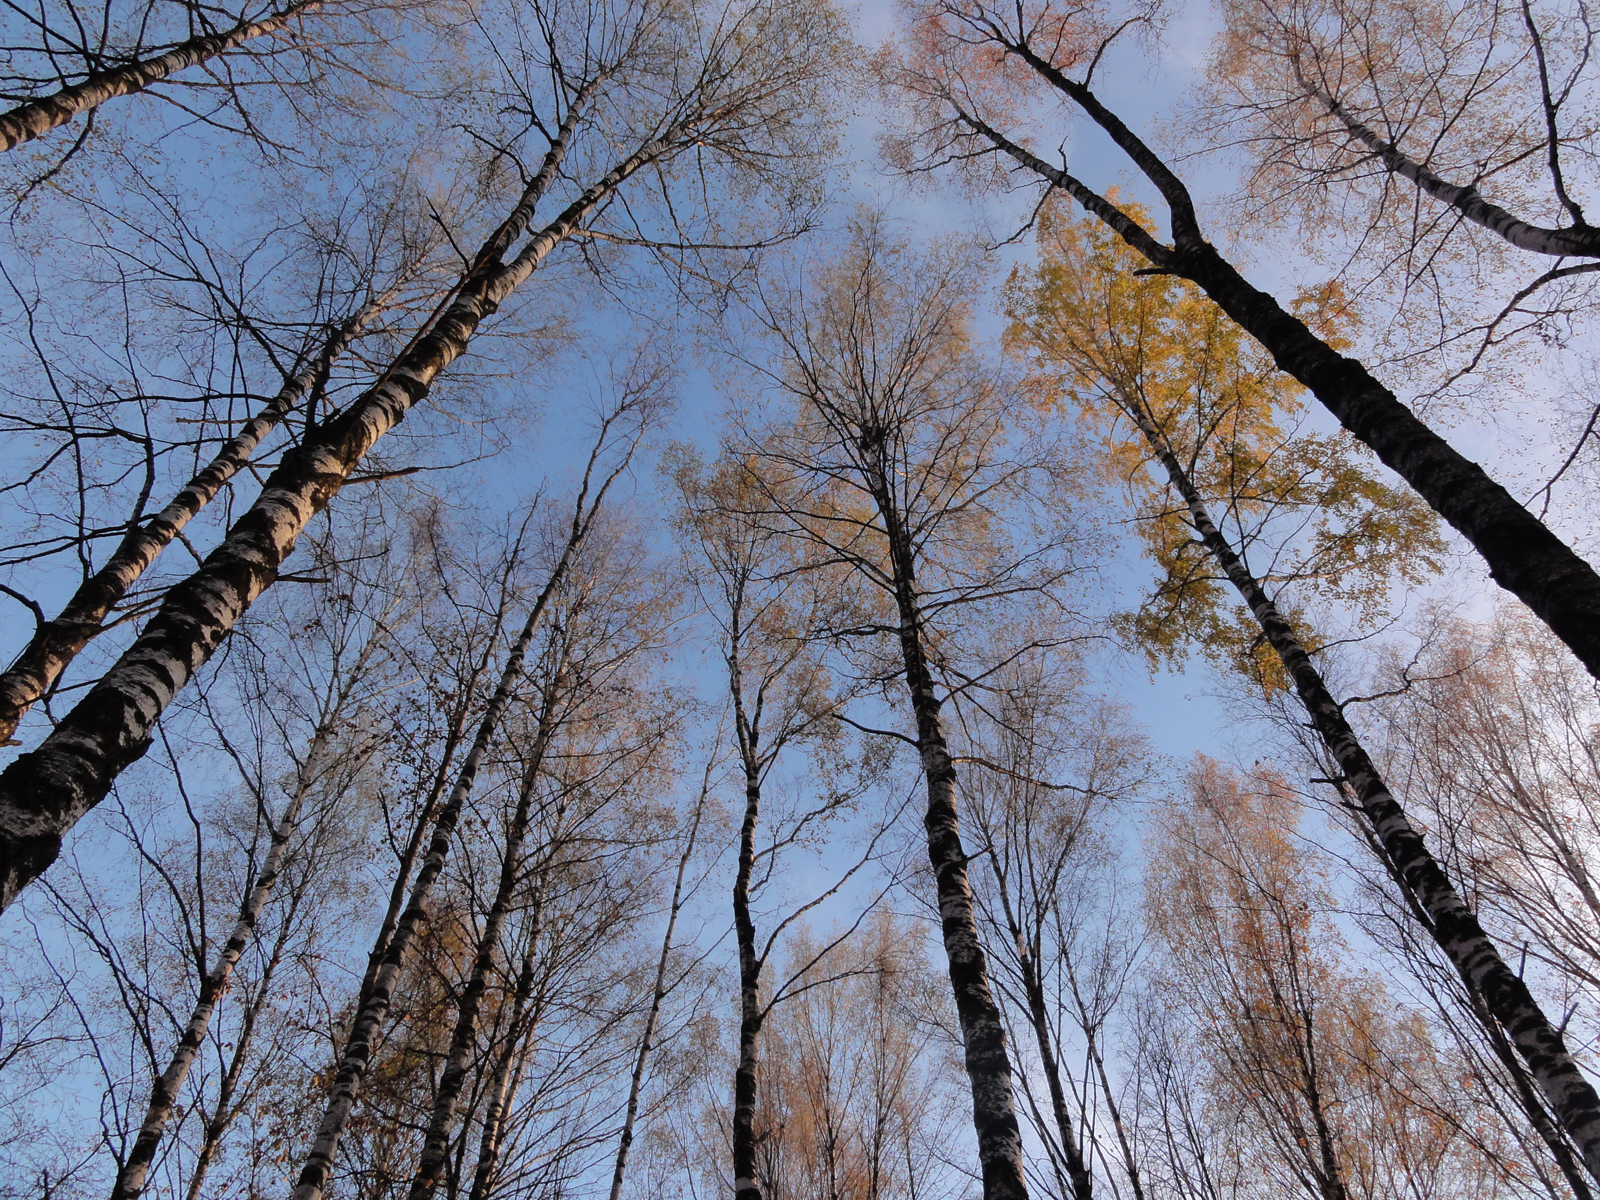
(38, 117)
(45, 791)
(58, 641)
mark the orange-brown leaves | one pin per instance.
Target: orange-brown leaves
(1320, 1083)
(973, 56)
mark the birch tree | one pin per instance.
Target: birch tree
(1164, 422)
(325, 768)
(665, 982)
(858, 1091)
(973, 62)
(771, 614)
(62, 67)
(1324, 1083)
(555, 1070)
(1517, 738)
(631, 89)
(897, 462)
(1051, 766)
(277, 784)
(593, 745)
(223, 310)
(389, 955)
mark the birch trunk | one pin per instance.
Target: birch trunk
(1523, 554)
(1039, 1019)
(419, 829)
(224, 1113)
(1113, 1109)
(751, 1017)
(657, 996)
(38, 117)
(1451, 922)
(164, 1095)
(504, 1084)
(44, 792)
(454, 732)
(57, 642)
(375, 1000)
(436, 1142)
(1577, 241)
(1532, 1105)
(982, 1032)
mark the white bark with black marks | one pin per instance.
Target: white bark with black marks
(45, 792)
(463, 1039)
(1575, 241)
(58, 641)
(983, 1035)
(38, 117)
(1451, 921)
(356, 1058)
(164, 1095)
(1524, 555)
(658, 995)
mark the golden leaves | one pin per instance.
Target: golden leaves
(1112, 348)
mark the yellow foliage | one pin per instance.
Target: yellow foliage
(1102, 342)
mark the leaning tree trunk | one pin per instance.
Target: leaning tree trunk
(436, 1142)
(38, 117)
(376, 999)
(1581, 240)
(1528, 1097)
(1451, 921)
(44, 792)
(1523, 554)
(58, 641)
(658, 994)
(226, 1110)
(164, 1095)
(982, 1032)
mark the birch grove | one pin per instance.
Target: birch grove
(724, 598)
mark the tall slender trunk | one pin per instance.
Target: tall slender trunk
(454, 732)
(436, 1142)
(222, 1116)
(1451, 922)
(424, 818)
(375, 1000)
(1523, 554)
(657, 995)
(1039, 1018)
(44, 792)
(748, 728)
(38, 117)
(503, 1086)
(164, 1095)
(1328, 1171)
(1113, 1109)
(1532, 1104)
(982, 1032)
(58, 641)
